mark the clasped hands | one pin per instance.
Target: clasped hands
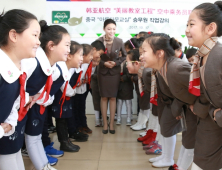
(109, 64)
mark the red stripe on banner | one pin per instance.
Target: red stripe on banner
(196, 82)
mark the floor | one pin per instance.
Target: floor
(120, 151)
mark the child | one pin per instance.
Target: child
(98, 50)
(172, 80)
(81, 91)
(190, 54)
(55, 43)
(125, 94)
(131, 44)
(63, 110)
(179, 53)
(203, 29)
(134, 66)
(16, 28)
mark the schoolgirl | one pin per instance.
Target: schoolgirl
(16, 28)
(150, 134)
(204, 26)
(81, 91)
(135, 67)
(55, 43)
(63, 110)
(172, 80)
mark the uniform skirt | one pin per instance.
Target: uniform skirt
(35, 122)
(108, 84)
(169, 126)
(13, 143)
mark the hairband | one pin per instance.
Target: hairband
(132, 43)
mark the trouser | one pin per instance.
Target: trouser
(12, 161)
(36, 151)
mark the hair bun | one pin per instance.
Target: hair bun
(43, 25)
(219, 4)
(174, 43)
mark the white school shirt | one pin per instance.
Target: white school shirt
(82, 89)
(70, 92)
(6, 66)
(93, 70)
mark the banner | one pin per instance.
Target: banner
(85, 19)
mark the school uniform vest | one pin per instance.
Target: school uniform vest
(67, 105)
(35, 121)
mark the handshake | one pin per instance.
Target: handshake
(109, 64)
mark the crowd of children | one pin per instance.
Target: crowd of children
(51, 76)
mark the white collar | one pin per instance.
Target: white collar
(65, 71)
(8, 69)
(44, 61)
(77, 70)
(29, 66)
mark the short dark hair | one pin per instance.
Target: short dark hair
(75, 47)
(16, 19)
(161, 41)
(209, 13)
(134, 55)
(52, 33)
(108, 21)
(190, 52)
(98, 45)
(86, 49)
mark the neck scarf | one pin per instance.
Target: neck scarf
(140, 73)
(153, 95)
(194, 84)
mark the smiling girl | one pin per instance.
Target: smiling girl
(172, 80)
(48, 78)
(17, 27)
(204, 26)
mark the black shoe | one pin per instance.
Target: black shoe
(51, 129)
(79, 137)
(68, 147)
(105, 131)
(112, 131)
(73, 144)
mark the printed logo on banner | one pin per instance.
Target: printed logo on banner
(60, 17)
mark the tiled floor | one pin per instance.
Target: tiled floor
(120, 151)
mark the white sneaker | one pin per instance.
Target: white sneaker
(138, 120)
(142, 124)
(97, 123)
(128, 121)
(151, 160)
(118, 121)
(48, 167)
(162, 163)
(139, 127)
